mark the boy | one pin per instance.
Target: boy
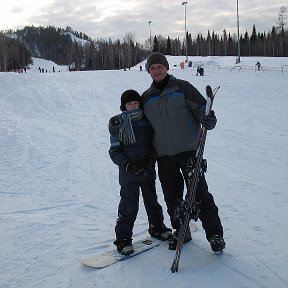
(131, 149)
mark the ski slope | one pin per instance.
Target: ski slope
(59, 190)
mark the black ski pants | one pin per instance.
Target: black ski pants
(129, 206)
(173, 174)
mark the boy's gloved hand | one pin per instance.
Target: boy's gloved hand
(209, 121)
(148, 163)
(142, 168)
(134, 168)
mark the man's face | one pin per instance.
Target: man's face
(158, 72)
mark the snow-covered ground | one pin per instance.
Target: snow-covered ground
(59, 189)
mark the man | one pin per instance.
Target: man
(176, 110)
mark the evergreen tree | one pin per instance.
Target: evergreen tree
(169, 47)
(156, 44)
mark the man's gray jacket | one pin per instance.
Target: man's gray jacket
(175, 115)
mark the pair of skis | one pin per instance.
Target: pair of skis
(189, 203)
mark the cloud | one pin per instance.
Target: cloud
(114, 18)
(16, 10)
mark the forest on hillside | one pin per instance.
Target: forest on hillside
(80, 52)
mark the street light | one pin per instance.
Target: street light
(238, 60)
(149, 23)
(185, 3)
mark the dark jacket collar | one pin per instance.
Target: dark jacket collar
(162, 84)
(170, 86)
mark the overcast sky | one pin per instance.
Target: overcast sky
(115, 18)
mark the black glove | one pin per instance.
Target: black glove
(142, 168)
(135, 168)
(209, 121)
(148, 163)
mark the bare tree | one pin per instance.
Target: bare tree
(129, 40)
(281, 21)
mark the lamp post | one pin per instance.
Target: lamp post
(238, 59)
(186, 48)
(150, 40)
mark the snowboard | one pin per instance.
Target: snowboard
(112, 256)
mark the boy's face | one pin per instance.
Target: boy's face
(158, 72)
(132, 105)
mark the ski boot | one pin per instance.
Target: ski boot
(174, 239)
(160, 232)
(217, 244)
(124, 246)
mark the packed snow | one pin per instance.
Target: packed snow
(59, 190)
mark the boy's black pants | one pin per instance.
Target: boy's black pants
(129, 206)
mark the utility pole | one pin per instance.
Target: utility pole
(149, 23)
(238, 59)
(186, 48)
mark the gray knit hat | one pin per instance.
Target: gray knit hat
(157, 58)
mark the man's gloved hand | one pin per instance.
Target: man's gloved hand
(209, 121)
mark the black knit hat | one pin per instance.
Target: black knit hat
(129, 96)
(157, 58)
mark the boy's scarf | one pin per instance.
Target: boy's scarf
(126, 133)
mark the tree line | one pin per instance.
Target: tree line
(68, 47)
(13, 54)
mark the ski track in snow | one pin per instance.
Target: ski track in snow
(59, 189)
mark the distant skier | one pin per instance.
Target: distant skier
(131, 149)
(200, 71)
(258, 64)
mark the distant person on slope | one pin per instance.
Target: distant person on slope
(131, 149)
(258, 64)
(200, 71)
(176, 109)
